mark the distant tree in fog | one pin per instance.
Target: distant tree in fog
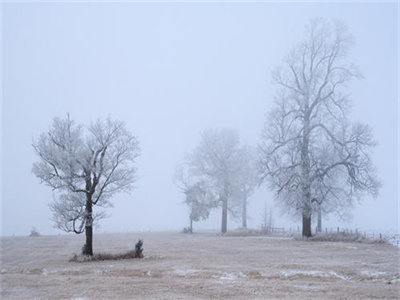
(217, 161)
(267, 219)
(310, 153)
(247, 179)
(200, 203)
(199, 196)
(86, 166)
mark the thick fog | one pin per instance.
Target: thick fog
(170, 71)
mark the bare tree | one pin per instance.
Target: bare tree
(86, 167)
(217, 159)
(308, 138)
(331, 194)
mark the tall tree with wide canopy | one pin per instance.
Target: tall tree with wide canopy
(85, 166)
(307, 137)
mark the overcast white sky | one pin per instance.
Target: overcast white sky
(171, 70)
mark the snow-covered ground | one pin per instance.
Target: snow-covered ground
(202, 265)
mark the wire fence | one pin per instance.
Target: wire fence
(392, 238)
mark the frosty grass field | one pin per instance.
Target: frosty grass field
(199, 266)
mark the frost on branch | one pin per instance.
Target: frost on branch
(69, 213)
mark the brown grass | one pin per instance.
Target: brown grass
(346, 237)
(257, 232)
(199, 266)
(245, 232)
(105, 256)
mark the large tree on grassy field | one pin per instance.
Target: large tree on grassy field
(86, 167)
(310, 152)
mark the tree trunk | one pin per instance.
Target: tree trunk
(244, 214)
(305, 176)
(191, 225)
(306, 225)
(319, 226)
(88, 247)
(224, 226)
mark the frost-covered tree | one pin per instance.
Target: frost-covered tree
(200, 202)
(308, 144)
(85, 166)
(246, 179)
(199, 195)
(217, 160)
(219, 172)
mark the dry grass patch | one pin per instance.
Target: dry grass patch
(346, 237)
(105, 256)
(244, 232)
(137, 253)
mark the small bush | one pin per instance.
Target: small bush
(139, 249)
(34, 232)
(186, 230)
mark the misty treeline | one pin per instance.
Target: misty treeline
(219, 172)
(311, 155)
